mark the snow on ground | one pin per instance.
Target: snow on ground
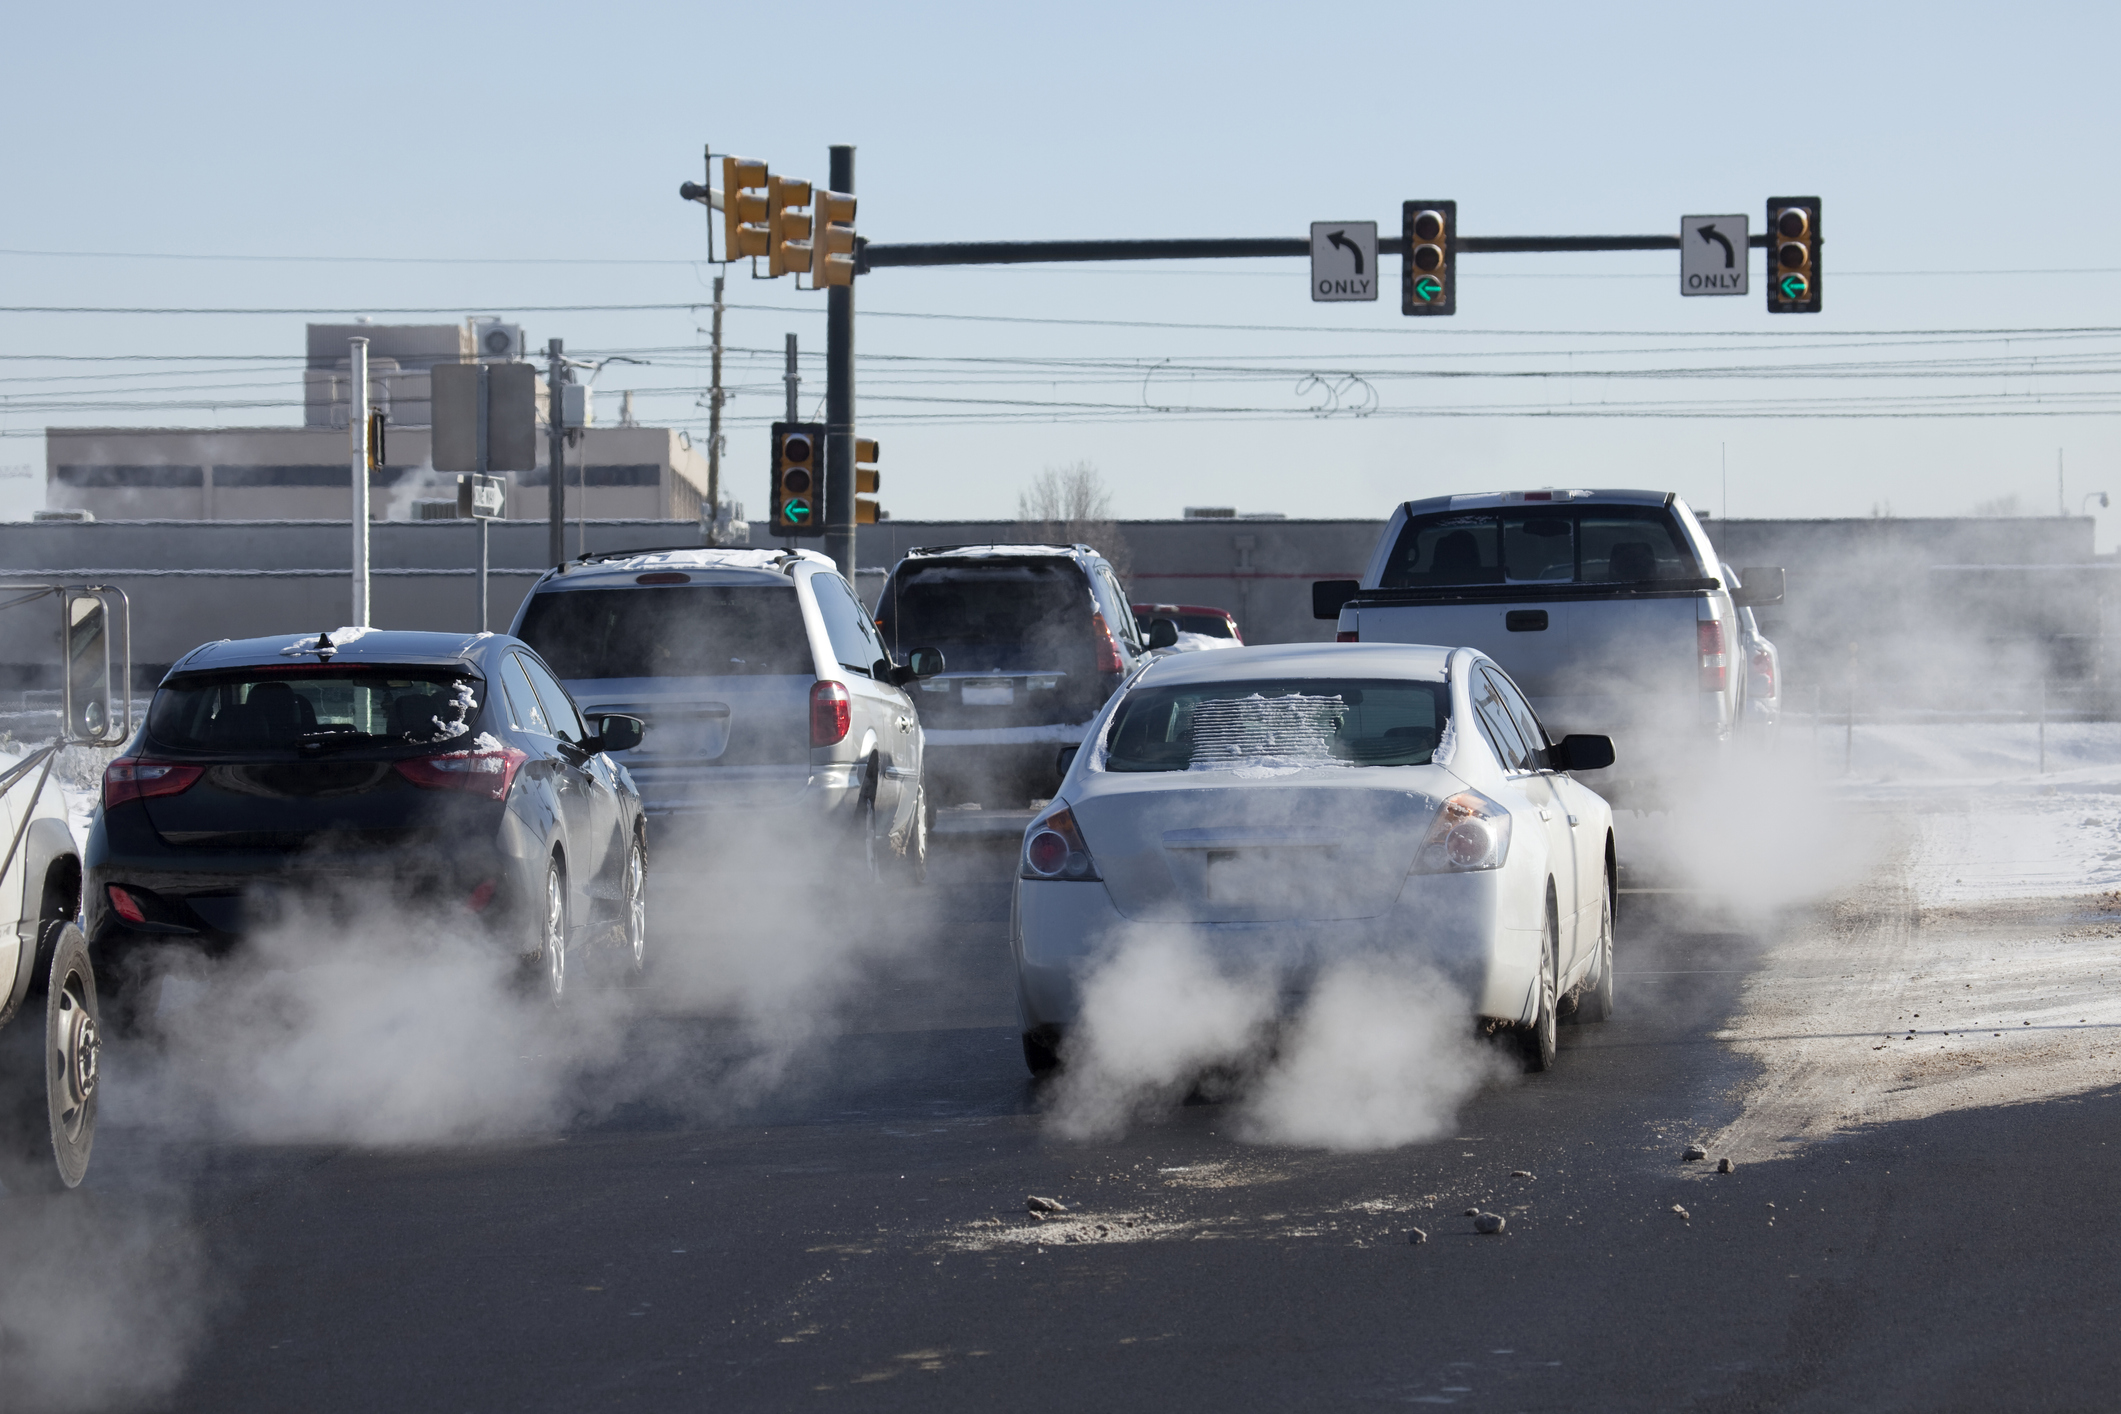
(1978, 964)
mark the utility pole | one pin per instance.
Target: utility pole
(714, 413)
(839, 396)
(556, 457)
(357, 424)
(795, 412)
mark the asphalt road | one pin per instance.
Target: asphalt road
(860, 1240)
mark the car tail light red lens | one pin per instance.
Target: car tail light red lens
(128, 907)
(1471, 832)
(1108, 660)
(483, 895)
(137, 778)
(1764, 672)
(489, 773)
(1054, 849)
(831, 713)
(1715, 663)
(1348, 635)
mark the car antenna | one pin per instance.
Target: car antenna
(324, 647)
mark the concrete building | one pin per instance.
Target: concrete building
(302, 473)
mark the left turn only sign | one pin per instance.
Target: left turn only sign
(1343, 260)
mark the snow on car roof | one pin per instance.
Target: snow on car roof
(348, 645)
(1559, 495)
(1014, 552)
(603, 573)
(1303, 660)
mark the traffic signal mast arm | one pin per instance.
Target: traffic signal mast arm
(875, 255)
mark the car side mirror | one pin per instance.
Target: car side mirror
(920, 663)
(1162, 634)
(90, 691)
(1758, 586)
(1329, 595)
(1581, 753)
(1064, 758)
(618, 733)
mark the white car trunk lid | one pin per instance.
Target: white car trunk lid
(1321, 843)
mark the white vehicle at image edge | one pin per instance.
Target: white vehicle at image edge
(1290, 807)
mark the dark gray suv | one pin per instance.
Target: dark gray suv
(1034, 637)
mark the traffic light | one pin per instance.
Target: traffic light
(743, 207)
(832, 240)
(1793, 260)
(798, 478)
(787, 226)
(866, 480)
(1430, 284)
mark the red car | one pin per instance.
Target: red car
(1202, 619)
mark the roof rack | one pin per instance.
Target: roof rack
(627, 554)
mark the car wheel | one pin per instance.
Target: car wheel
(914, 859)
(1539, 1040)
(1596, 1003)
(1041, 1054)
(552, 932)
(872, 848)
(635, 904)
(50, 1071)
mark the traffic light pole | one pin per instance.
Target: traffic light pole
(874, 256)
(839, 399)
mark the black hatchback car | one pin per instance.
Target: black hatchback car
(431, 770)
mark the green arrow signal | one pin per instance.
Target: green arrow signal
(1428, 287)
(797, 510)
(1793, 287)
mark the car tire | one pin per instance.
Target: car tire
(1041, 1054)
(633, 909)
(1538, 1041)
(49, 1058)
(1596, 1003)
(551, 955)
(914, 857)
(873, 849)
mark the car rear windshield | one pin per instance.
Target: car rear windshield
(703, 630)
(1277, 722)
(1031, 614)
(314, 708)
(1541, 545)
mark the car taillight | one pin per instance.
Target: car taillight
(489, 773)
(137, 778)
(1471, 832)
(128, 907)
(1348, 635)
(1715, 664)
(1107, 647)
(1054, 849)
(1764, 669)
(831, 713)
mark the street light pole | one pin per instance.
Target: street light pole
(357, 425)
(839, 397)
(555, 457)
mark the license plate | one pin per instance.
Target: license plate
(990, 694)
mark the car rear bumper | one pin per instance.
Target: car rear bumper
(833, 791)
(1453, 923)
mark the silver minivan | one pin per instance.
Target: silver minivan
(763, 682)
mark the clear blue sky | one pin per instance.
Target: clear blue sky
(1941, 137)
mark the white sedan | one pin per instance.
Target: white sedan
(1294, 806)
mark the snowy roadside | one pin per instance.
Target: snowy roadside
(1978, 963)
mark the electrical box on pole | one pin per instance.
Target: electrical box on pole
(866, 482)
(1793, 266)
(743, 208)
(798, 488)
(1430, 282)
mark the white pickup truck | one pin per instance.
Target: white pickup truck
(49, 1022)
(1609, 608)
